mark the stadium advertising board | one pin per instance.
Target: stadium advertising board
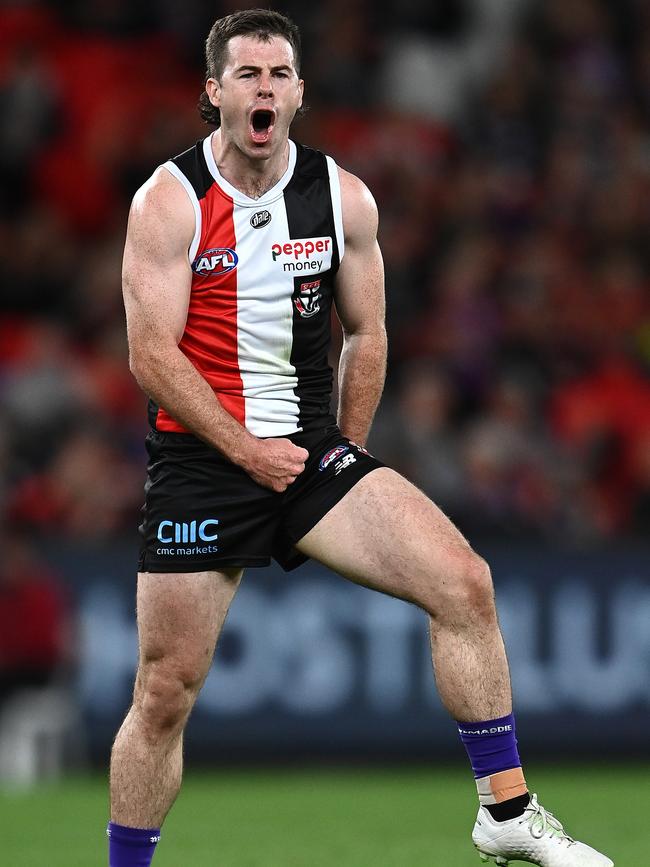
(311, 664)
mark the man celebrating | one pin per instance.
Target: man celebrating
(235, 252)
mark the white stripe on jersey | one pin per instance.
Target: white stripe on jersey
(173, 169)
(265, 325)
(335, 189)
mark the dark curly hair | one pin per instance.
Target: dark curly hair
(262, 23)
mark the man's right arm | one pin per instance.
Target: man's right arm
(156, 280)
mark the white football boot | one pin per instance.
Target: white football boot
(536, 837)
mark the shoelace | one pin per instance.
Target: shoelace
(542, 822)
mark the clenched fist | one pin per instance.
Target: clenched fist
(274, 463)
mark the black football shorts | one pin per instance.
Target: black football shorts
(203, 512)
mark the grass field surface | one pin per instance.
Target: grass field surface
(323, 818)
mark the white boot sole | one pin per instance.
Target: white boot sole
(495, 859)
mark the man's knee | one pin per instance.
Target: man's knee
(164, 696)
(477, 584)
(465, 595)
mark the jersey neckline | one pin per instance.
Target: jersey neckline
(236, 195)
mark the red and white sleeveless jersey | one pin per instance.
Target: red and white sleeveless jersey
(263, 270)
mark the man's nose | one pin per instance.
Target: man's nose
(265, 87)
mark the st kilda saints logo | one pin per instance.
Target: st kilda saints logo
(307, 299)
(260, 219)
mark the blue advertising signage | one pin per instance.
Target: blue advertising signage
(311, 664)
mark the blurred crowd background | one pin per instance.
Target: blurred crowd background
(508, 147)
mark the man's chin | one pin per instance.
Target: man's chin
(259, 150)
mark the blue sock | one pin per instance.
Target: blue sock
(492, 750)
(131, 847)
(491, 746)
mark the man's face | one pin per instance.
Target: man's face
(258, 95)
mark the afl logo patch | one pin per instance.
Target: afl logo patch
(332, 455)
(218, 260)
(260, 219)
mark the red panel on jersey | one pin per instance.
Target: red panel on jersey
(210, 338)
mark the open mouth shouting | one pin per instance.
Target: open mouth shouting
(261, 124)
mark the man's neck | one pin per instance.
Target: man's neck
(251, 177)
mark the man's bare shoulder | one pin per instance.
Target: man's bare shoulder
(360, 215)
(161, 207)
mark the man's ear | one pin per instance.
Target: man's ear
(213, 89)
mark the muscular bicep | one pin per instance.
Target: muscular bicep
(156, 274)
(359, 292)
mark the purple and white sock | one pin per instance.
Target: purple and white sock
(131, 847)
(492, 750)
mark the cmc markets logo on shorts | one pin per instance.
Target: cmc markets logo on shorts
(307, 254)
(187, 532)
(217, 260)
(193, 533)
(260, 219)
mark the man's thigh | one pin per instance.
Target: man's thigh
(386, 534)
(180, 616)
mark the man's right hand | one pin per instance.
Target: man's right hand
(274, 463)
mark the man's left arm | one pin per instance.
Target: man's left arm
(360, 306)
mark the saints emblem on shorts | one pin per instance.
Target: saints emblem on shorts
(307, 298)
